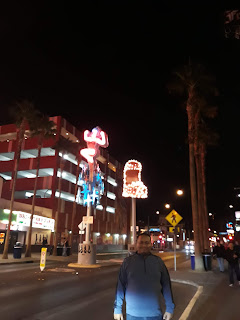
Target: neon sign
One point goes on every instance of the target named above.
(132, 184)
(94, 139)
(90, 180)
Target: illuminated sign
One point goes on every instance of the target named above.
(237, 215)
(2, 236)
(94, 139)
(229, 225)
(237, 227)
(24, 218)
(90, 179)
(132, 185)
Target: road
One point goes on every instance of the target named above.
(63, 293)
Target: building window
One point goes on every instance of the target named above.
(110, 209)
(111, 195)
(111, 181)
(6, 156)
(112, 167)
(8, 136)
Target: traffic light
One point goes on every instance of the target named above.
(230, 237)
(160, 237)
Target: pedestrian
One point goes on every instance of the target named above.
(218, 252)
(65, 246)
(44, 242)
(143, 277)
(237, 246)
(232, 257)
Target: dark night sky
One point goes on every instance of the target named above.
(107, 64)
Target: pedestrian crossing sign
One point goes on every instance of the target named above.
(173, 217)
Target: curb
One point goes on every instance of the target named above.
(78, 265)
(192, 302)
(17, 262)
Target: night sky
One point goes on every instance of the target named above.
(107, 63)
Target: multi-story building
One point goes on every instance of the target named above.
(110, 217)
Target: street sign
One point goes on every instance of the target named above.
(171, 229)
(81, 232)
(88, 220)
(82, 226)
(173, 217)
(43, 258)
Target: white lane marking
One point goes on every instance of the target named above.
(192, 302)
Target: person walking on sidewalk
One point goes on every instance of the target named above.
(143, 277)
(218, 252)
(232, 257)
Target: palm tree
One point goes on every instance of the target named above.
(44, 129)
(195, 84)
(24, 113)
(79, 158)
(207, 137)
(63, 146)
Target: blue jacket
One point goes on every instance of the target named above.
(141, 282)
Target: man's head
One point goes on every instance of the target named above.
(230, 245)
(144, 243)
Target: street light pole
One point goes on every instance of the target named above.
(133, 242)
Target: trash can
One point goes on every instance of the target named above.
(17, 251)
(207, 261)
(193, 261)
(59, 251)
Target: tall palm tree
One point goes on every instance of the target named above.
(79, 158)
(44, 129)
(207, 137)
(195, 83)
(24, 112)
(63, 146)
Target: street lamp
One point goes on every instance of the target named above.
(157, 212)
(179, 192)
(230, 206)
(167, 206)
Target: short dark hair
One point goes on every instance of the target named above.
(144, 234)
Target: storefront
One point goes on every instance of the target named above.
(41, 228)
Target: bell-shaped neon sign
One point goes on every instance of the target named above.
(133, 187)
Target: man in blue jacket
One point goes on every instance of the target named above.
(143, 277)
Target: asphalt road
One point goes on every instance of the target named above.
(63, 293)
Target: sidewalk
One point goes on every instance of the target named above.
(215, 299)
(73, 258)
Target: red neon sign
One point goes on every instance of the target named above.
(94, 139)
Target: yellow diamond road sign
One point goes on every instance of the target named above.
(173, 217)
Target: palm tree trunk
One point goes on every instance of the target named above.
(19, 147)
(193, 187)
(200, 202)
(58, 208)
(28, 251)
(199, 181)
(205, 209)
(74, 206)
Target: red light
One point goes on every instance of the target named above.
(230, 237)
(160, 237)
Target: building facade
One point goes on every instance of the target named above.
(110, 217)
